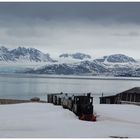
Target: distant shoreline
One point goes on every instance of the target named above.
(15, 75)
(17, 101)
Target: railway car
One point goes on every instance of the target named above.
(70, 102)
(52, 98)
(65, 101)
(59, 99)
(55, 99)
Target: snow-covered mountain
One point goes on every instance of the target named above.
(79, 56)
(116, 58)
(93, 67)
(121, 65)
(84, 67)
(65, 69)
(112, 65)
(22, 54)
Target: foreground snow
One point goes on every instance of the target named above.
(47, 120)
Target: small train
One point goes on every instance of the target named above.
(81, 105)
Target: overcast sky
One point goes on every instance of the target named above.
(94, 28)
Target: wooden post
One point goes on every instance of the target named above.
(130, 97)
(134, 97)
(121, 96)
(127, 97)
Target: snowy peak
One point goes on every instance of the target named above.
(5, 55)
(116, 58)
(79, 56)
(24, 54)
(30, 54)
(3, 49)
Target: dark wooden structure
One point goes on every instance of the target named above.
(35, 99)
(108, 99)
(129, 96)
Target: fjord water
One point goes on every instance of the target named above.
(16, 86)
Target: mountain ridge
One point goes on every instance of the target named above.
(113, 65)
(77, 55)
(93, 67)
(24, 54)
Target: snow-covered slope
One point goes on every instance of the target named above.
(121, 65)
(64, 69)
(90, 68)
(116, 58)
(43, 120)
(84, 67)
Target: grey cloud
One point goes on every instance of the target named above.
(94, 28)
(134, 34)
(96, 11)
(24, 32)
(131, 34)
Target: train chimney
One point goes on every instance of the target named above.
(88, 94)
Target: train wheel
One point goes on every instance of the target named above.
(93, 118)
(82, 117)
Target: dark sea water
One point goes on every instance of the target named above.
(17, 86)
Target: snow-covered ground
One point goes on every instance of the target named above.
(46, 120)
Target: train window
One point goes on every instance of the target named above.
(90, 100)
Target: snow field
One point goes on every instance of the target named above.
(39, 120)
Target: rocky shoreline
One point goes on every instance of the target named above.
(16, 101)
